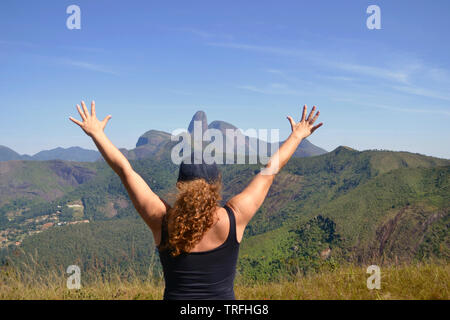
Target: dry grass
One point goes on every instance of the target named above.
(421, 281)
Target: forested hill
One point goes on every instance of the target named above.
(342, 205)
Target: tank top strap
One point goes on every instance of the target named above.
(232, 233)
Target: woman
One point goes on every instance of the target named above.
(198, 240)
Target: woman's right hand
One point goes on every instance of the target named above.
(305, 127)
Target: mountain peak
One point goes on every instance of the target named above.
(8, 154)
(344, 149)
(69, 154)
(152, 137)
(198, 116)
(221, 125)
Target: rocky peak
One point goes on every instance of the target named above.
(198, 116)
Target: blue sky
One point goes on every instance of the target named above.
(152, 64)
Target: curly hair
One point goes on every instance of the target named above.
(192, 214)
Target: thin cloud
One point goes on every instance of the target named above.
(275, 71)
(375, 72)
(204, 34)
(410, 110)
(286, 76)
(85, 49)
(401, 78)
(272, 88)
(336, 78)
(197, 32)
(264, 49)
(253, 89)
(17, 43)
(181, 92)
(87, 66)
(422, 92)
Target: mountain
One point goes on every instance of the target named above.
(7, 154)
(149, 144)
(199, 116)
(221, 126)
(42, 180)
(307, 149)
(346, 205)
(158, 143)
(68, 154)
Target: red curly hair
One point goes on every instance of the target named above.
(192, 214)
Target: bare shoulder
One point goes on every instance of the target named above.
(237, 216)
(221, 226)
(221, 222)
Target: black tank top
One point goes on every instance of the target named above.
(201, 275)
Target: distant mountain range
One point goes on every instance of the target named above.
(69, 154)
(154, 142)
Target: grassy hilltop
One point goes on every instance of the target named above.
(421, 281)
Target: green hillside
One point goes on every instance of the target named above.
(42, 180)
(399, 216)
(316, 181)
(99, 247)
(346, 205)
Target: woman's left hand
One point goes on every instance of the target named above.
(90, 125)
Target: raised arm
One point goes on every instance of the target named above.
(147, 203)
(246, 203)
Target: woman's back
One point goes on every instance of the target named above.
(217, 234)
(208, 270)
